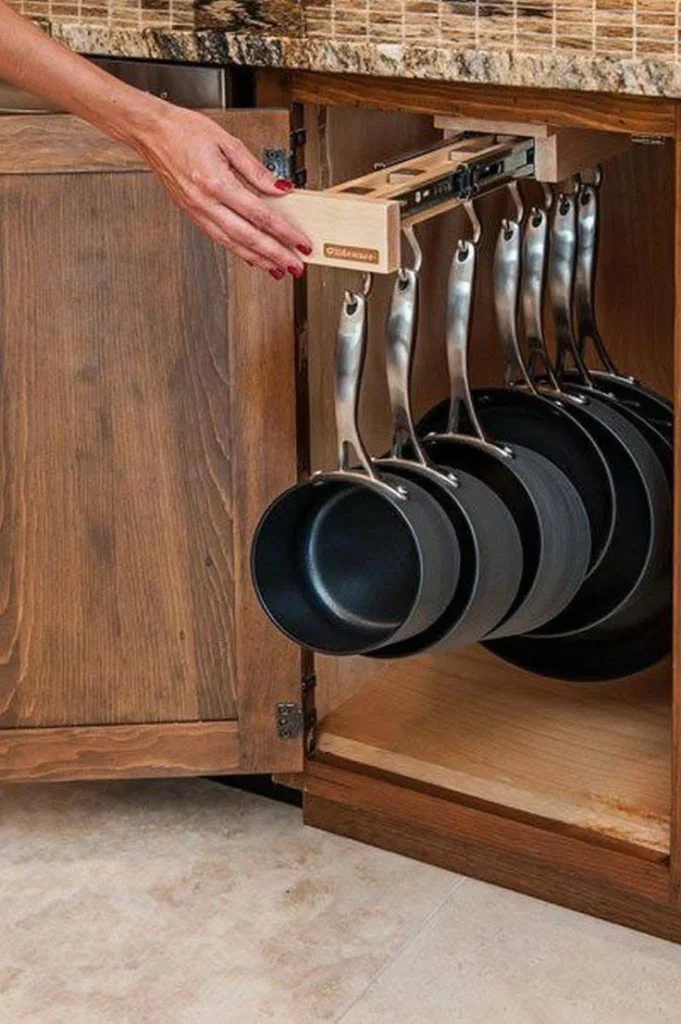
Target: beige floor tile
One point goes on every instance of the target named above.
(491, 956)
(189, 903)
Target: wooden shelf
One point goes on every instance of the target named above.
(592, 761)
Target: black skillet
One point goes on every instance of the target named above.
(656, 409)
(636, 634)
(545, 505)
(491, 551)
(525, 416)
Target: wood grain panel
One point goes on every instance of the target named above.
(117, 558)
(548, 106)
(561, 869)
(118, 752)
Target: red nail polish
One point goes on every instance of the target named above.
(305, 249)
(283, 184)
(296, 271)
(276, 273)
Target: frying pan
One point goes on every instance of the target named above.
(548, 513)
(636, 632)
(631, 580)
(350, 560)
(527, 417)
(491, 550)
(659, 411)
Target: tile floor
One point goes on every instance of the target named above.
(191, 903)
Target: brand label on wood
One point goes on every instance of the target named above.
(351, 252)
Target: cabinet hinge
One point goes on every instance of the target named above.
(294, 720)
(285, 165)
(290, 720)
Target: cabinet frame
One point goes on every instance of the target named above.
(420, 820)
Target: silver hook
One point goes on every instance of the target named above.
(548, 196)
(410, 235)
(517, 202)
(475, 224)
(367, 284)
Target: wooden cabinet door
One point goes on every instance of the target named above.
(147, 416)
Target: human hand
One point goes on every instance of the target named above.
(214, 178)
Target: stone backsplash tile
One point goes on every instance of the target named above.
(627, 28)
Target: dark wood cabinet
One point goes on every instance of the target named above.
(146, 415)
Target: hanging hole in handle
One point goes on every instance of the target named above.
(536, 217)
(507, 229)
(563, 204)
(585, 194)
(351, 303)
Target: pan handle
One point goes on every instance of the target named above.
(532, 295)
(585, 274)
(561, 282)
(506, 289)
(400, 335)
(350, 353)
(460, 290)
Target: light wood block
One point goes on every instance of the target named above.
(571, 150)
(346, 231)
(479, 124)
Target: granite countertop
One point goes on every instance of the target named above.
(615, 46)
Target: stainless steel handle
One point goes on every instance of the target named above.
(400, 337)
(506, 289)
(585, 275)
(561, 282)
(350, 353)
(532, 296)
(460, 290)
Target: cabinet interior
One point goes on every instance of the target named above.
(588, 760)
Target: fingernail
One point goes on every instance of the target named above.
(305, 249)
(276, 273)
(283, 184)
(296, 271)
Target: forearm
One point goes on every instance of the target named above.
(44, 67)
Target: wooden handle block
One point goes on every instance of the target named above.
(346, 231)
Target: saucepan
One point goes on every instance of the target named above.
(354, 559)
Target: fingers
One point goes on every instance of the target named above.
(250, 168)
(229, 231)
(230, 192)
(243, 233)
